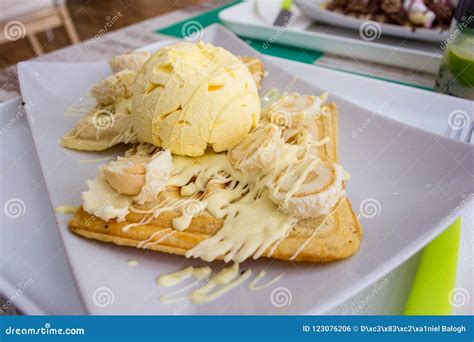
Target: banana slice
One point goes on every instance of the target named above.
(126, 175)
(258, 151)
(140, 177)
(308, 188)
(133, 60)
(158, 171)
(114, 87)
(293, 110)
(303, 140)
(136, 178)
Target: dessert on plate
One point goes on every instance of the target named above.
(215, 170)
(432, 14)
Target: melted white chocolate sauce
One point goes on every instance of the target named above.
(178, 277)
(316, 230)
(253, 284)
(252, 222)
(66, 209)
(227, 279)
(213, 287)
(132, 262)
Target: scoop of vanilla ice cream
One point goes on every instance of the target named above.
(188, 96)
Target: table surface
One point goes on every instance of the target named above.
(135, 36)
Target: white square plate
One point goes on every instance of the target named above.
(406, 183)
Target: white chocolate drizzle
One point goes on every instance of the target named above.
(151, 240)
(316, 230)
(253, 284)
(65, 209)
(213, 287)
(132, 262)
(252, 222)
(178, 277)
(227, 279)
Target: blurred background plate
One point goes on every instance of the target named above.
(315, 9)
(254, 18)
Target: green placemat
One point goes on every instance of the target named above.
(432, 287)
(212, 17)
(205, 19)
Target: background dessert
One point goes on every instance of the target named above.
(415, 13)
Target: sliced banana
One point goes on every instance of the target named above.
(308, 188)
(158, 171)
(133, 60)
(258, 151)
(126, 175)
(305, 143)
(291, 111)
(114, 87)
(136, 178)
(140, 177)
